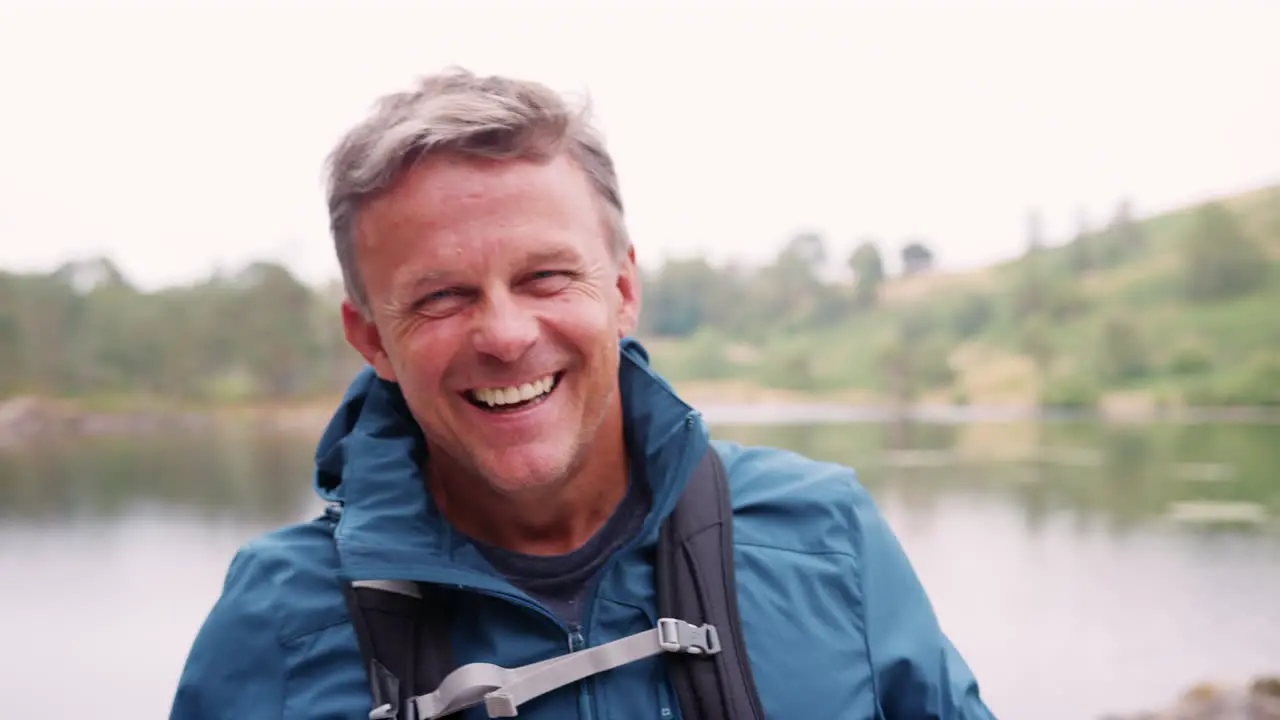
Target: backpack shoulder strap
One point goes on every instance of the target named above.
(696, 583)
(403, 632)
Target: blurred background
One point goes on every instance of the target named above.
(1016, 262)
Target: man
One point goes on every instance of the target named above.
(510, 448)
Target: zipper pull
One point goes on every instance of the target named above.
(576, 641)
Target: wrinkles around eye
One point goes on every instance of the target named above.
(449, 300)
(550, 281)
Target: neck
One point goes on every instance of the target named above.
(553, 519)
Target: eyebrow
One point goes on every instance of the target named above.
(422, 280)
(553, 255)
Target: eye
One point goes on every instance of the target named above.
(440, 302)
(549, 281)
(439, 295)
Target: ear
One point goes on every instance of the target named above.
(362, 334)
(629, 293)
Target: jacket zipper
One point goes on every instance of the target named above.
(578, 632)
(578, 641)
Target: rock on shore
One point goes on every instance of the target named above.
(1259, 700)
(25, 420)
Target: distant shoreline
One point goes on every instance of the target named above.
(33, 419)
(854, 405)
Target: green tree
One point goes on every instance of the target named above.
(792, 287)
(917, 258)
(277, 359)
(868, 273)
(1035, 340)
(1123, 353)
(972, 315)
(679, 299)
(1219, 260)
(1124, 237)
(907, 369)
(1035, 233)
(1273, 209)
(1081, 248)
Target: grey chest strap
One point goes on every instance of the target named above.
(503, 690)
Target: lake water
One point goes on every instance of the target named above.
(1053, 554)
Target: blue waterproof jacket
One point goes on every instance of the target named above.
(836, 624)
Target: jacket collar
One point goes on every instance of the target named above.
(369, 458)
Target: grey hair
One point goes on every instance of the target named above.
(459, 112)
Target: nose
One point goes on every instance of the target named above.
(504, 329)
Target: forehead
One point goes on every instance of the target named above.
(464, 201)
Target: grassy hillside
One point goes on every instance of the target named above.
(1137, 324)
(1183, 308)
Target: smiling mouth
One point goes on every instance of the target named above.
(515, 397)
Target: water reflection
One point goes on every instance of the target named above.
(1123, 476)
(238, 473)
(1047, 548)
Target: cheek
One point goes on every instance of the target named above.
(424, 352)
(580, 319)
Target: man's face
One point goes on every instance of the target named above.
(497, 305)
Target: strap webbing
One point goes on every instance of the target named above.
(402, 629)
(696, 581)
(503, 690)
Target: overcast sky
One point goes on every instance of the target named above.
(178, 139)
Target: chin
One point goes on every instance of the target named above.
(522, 472)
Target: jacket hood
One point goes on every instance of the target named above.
(369, 460)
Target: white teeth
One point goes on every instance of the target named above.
(514, 394)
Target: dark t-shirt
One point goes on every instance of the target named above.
(561, 581)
